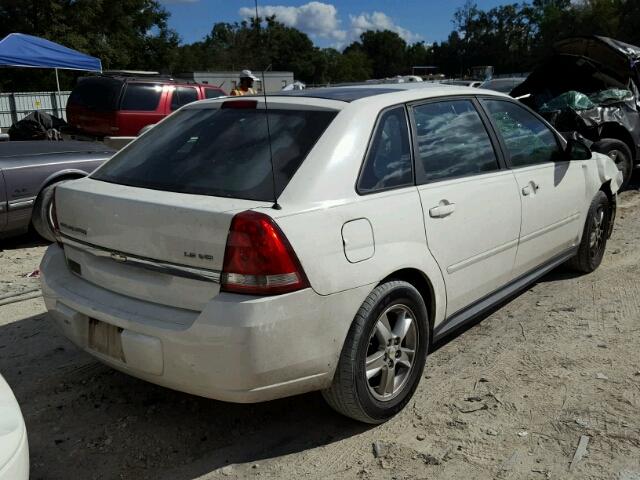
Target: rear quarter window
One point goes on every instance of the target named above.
(141, 97)
(220, 152)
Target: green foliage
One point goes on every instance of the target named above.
(123, 34)
(134, 34)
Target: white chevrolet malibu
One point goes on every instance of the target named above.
(323, 241)
(14, 448)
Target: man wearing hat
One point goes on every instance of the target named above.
(246, 84)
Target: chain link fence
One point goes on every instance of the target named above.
(16, 106)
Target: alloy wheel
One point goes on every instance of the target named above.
(598, 234)
(391, 352)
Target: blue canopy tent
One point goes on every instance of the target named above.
(20, 50)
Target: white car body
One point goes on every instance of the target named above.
(186, 334)
(14, 448)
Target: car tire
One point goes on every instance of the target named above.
(594, 237)
(362, 387)
(41, 217)
(620, 153)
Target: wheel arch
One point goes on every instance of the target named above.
(613, 204)
(618, 132)
(422, 283)
(67, 174)
(62, 175)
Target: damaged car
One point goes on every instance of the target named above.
(327, 241)
(591, 85)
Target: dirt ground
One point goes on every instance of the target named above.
(509, 398)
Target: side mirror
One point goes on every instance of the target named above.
(578, 147)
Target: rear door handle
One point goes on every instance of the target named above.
(442, 210)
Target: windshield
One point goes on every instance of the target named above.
(221, 152)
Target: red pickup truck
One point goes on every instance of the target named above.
(103, 105)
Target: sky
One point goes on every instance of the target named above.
(328, 23)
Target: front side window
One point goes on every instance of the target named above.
(224, 152)
(452, 141)
(527, 139)
(212, 93)
(388, 162)
(182, 96)
(141, 97)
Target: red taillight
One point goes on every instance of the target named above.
(258, 259)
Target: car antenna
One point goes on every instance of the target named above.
(276, 205)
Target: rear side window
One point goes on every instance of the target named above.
(528, 140)
(220, 152)
(182, 96)
(98, 94)
(141, 97)
(451, 141)
(388, 162)
(212, 93)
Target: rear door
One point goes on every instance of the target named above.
(140, 106)
(552, 188)
(470, 203)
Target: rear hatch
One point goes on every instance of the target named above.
(93, 104)
(152, 223)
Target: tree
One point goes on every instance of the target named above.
(386, 51)
(124, 34)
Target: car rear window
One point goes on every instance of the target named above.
(220, 152)
(98, 94)
(141, 97)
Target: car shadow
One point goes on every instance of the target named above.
(634, 183)
(83, 417)
(560, 273)
(27, 240)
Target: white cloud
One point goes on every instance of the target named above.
(379, 21)
(321, 20)
(314, 18)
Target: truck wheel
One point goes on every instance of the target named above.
(594, 236)
(620, 153)
(41, 218)
(383, 356)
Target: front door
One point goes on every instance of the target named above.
(552, 188)
(471, 206)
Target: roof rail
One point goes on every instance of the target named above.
(128, 76)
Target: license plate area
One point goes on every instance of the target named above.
(105, 339)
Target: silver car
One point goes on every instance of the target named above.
(29, 172)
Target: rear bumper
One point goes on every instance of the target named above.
(238, 348)
(14, 447)
(17, 468)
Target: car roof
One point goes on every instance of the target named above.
(360, 92)
(162, 79)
